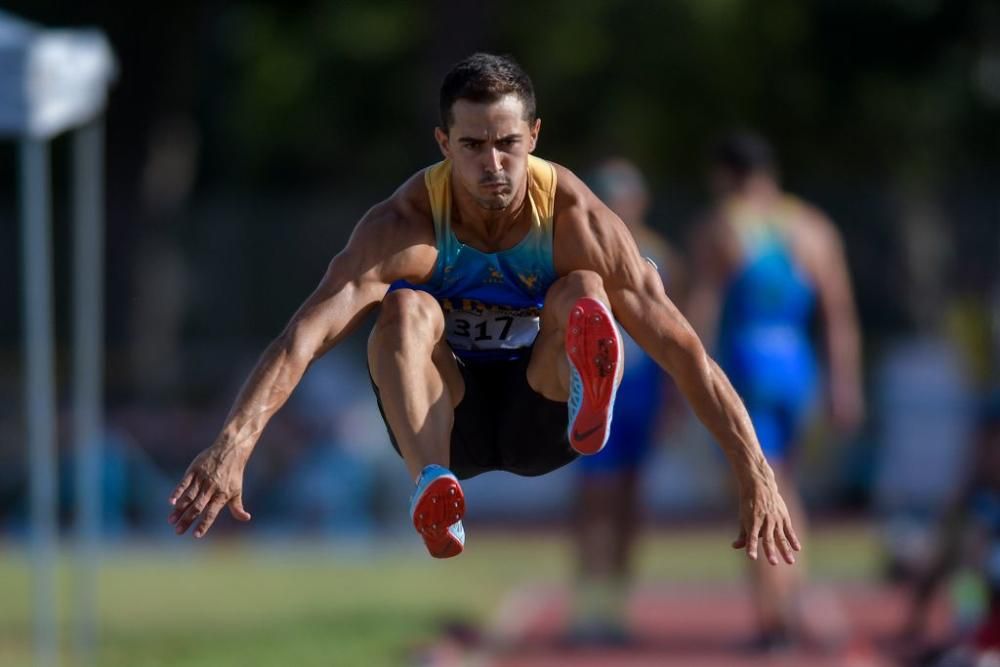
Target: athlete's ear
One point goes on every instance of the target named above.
(441, 137)
(533, 133)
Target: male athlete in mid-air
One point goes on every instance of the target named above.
(498, 275)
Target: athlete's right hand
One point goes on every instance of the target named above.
(213, 480)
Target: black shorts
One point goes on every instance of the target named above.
(502, 423)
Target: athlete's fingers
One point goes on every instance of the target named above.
(741, 540)
(181, 488)
(185, 519)
(195, 508)
(784, 546)
(236, 509)
(184, 500)
(194, 488)
(767, 533)
(753, 536)
(211, 512)
(790, 534)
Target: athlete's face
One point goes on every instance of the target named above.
(488, 145)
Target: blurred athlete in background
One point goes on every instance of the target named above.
(608, 487)
(765, 261)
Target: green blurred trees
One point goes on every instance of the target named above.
(849, 90)
(307, 114)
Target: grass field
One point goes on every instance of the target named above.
(249, 603)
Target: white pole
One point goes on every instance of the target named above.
(40, 390)
(88, 358)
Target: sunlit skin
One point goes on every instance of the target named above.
(409, 358)
(489, 145)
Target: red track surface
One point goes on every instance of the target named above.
(681, 627)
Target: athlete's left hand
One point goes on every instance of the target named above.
(213, 480)
(764, 519)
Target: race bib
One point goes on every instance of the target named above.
(491, 328)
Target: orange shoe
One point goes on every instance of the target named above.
(437, 507)
(594, 350)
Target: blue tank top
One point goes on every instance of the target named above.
(764, 332)
(492, 302)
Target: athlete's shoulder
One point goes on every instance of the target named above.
(396, 235)
(571, 191)
(577, 210)
(815, 237)
(404, 215)
(411, 200)
(587, 233)
(811, 220)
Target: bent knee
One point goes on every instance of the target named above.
(574, 285)
(411, 313)
(584, 283)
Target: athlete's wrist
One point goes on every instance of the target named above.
(230, 444)
(753, 470)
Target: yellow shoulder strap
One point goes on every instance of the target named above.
(542, 186)
(437, 178)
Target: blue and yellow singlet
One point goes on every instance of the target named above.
(764, 344)
(492, 302)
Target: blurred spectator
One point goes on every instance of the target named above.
(926, 382)
(969, 534)
(608, 482)
(765, 260)
(925, 428)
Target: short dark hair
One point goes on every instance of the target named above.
(743, 152)
(485, 78)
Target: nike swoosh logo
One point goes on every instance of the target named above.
(586, 434)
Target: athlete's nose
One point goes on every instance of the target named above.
(493, 165)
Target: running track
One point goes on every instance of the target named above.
(677, 626)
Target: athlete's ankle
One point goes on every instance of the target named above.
(431, 469)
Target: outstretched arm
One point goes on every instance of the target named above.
(649, 316)
(386, 245)
(591, 237)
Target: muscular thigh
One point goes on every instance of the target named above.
(413, 316)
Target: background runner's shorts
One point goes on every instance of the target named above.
(502, 423)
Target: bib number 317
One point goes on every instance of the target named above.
(482, 330)
(492, 330)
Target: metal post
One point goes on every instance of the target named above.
(40, 390)
(88, 331)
